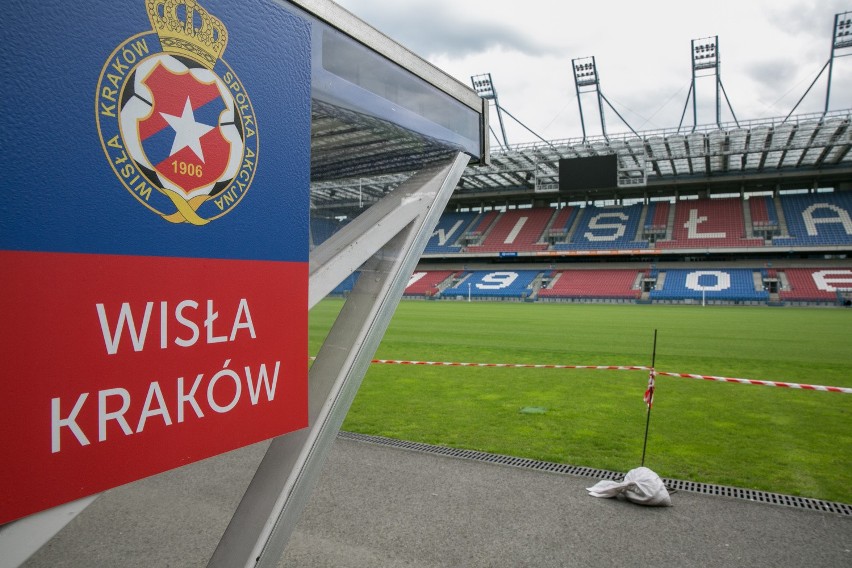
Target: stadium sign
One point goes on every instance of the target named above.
(154, 252)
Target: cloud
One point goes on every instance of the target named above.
(807, 18)
(771, 52)
(771, 74)
(433, 28)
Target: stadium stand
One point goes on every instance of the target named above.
(494, 284)
(727, 285)
(791, 220)
(483, 224)
(817, 220)
(321, 230)
(563, 221)
(606, 228)
(346, 286)
(709, 223)
(811, 220)
(717, 285)
(815, 284)
(450, 228)
(657, 217)
(764, 217)
(516, 230)
(427, 283)
(597, 284)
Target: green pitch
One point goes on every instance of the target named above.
(774, 439)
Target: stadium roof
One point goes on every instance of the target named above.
(768, 154)
(803, 151)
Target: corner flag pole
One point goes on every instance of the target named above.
(649, 395)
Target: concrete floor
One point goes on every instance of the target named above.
(379, 506)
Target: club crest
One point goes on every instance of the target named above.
(176, 123)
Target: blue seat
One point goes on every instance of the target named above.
(731, 285)
(495, 283)
(347, 284)
(604, 228)
(817, 220)
(450, 227)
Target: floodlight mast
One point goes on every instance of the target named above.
(705, 63)
(484, 87)
(841, 39)
(586, 75)
(706, 57)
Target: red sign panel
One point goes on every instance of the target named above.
(154, 241)
(152, 373)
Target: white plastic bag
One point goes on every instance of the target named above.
(640, 485)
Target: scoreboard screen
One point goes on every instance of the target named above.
(593, 172)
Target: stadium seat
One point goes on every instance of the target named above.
(322, 229)
(450, 228)
(346, 286)
(817, 220)
(516, 230)
(563, 221)
(815, 284)
(606, 228)
(763, 214)
(425, 283)
(494, 284)
(587, 284)
(709, 223)
(811, 220)
(657, 217)
(728, 285)
(483, 222)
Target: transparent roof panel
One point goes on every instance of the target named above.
(379, 113)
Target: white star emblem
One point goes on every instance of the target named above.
(188, 132)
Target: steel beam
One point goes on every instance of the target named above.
(390, 240)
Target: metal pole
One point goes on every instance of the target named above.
(579, 100)
(718, 86)
(600, 102)
(685, 105)
(808, 90)
(694, 91)
(831, 63)
(652, 385)
(500, 119)
(526, 127)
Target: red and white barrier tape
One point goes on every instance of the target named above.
(843, 390)
(510, 365)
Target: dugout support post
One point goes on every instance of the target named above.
(391, 239)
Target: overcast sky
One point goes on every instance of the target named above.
(770, 52)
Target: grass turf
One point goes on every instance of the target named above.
(774, 439)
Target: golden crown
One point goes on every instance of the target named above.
(185, 28)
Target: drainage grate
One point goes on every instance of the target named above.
(671, 484)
